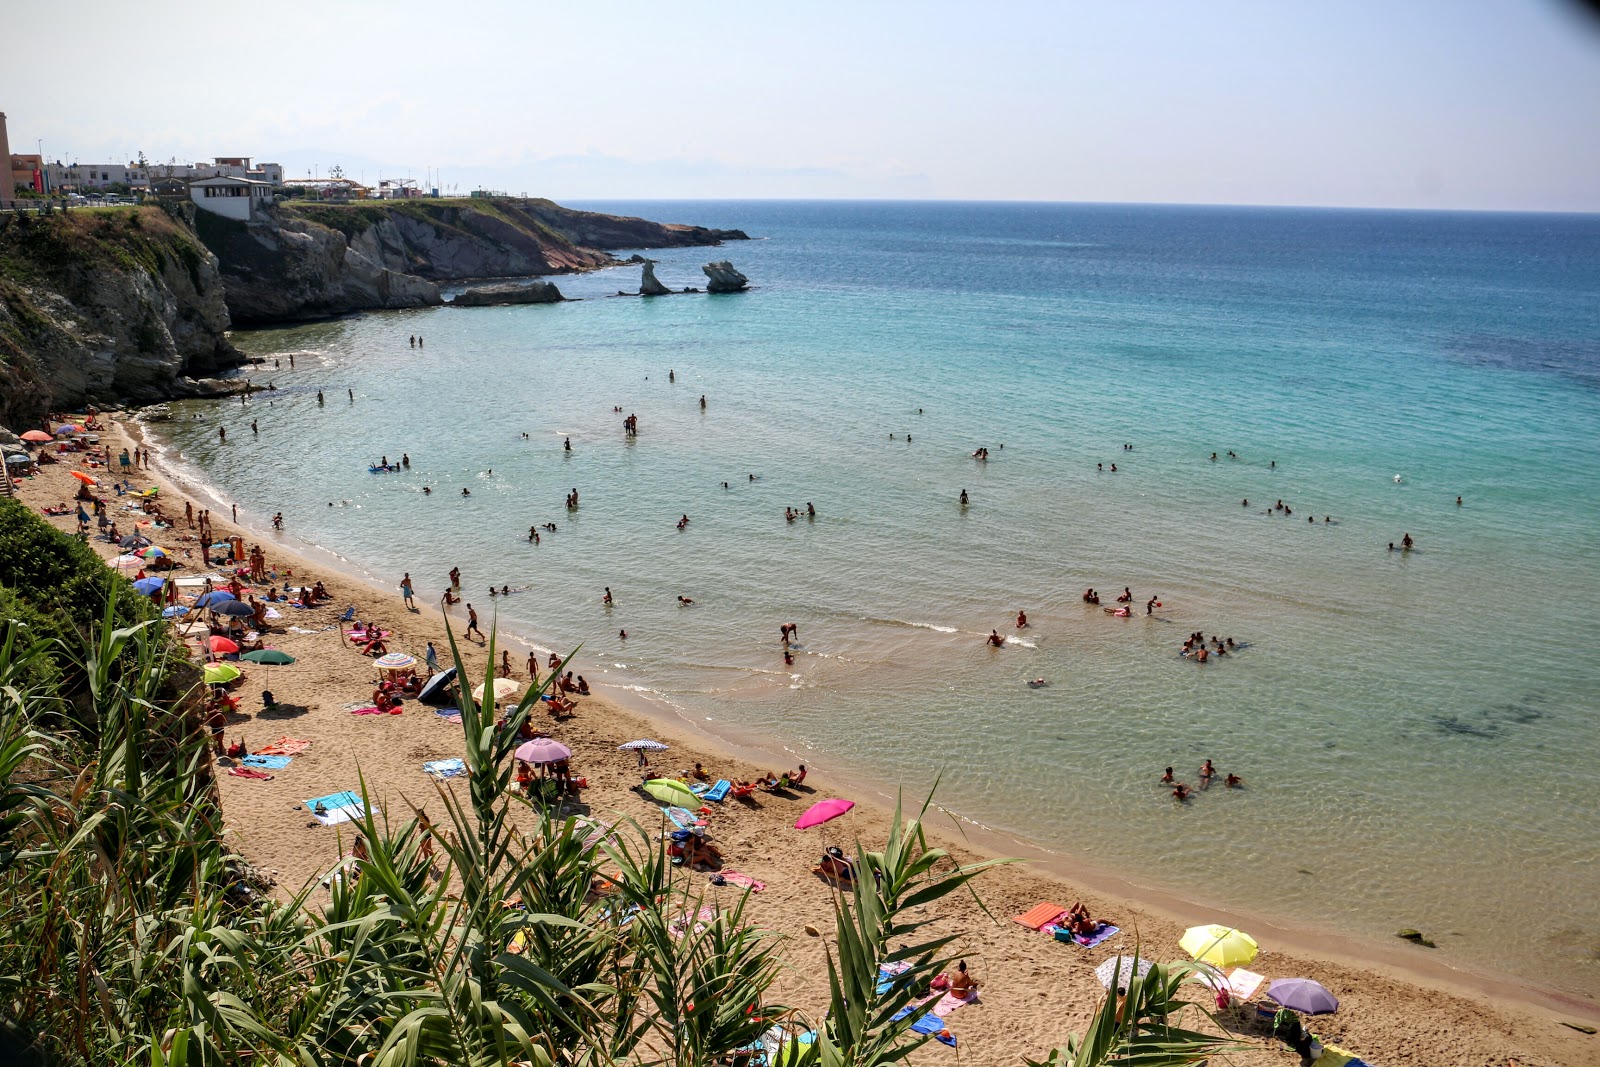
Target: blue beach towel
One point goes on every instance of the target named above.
(1105, 933)
(699, 789)
(271, 763)
(934, 1027)
(444, 768)
(682, 818)
(719, 792)
(336, 808)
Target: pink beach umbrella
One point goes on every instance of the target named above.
(823, 811)
(542, 750)
(221, 646)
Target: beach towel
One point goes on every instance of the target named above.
(284, 746)
(743, 881)
(683, 818)
(453, 717)
(1101, 935)
(1040, 915)
(950, 1002)
(699, 789)
(250, 772)
(1334, 1056)
(336, 808)
(271, 763)
(916, 1005)
(362, 709)
(933, 1026)
(719, 791)
(681, 925)
(444, 768)
(1243, 984)
(886, 976)
(273, 613)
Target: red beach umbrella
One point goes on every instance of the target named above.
(221, 645)
(38, 437)
(823, 811)
(84, 478)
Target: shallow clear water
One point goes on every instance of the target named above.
(1416, 730)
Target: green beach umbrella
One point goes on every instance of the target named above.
(269, 656)
(669, 791)
(219, 673)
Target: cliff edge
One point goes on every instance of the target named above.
(120, 304)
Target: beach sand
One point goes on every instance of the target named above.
(1397, 1005)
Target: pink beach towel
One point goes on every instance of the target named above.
(250, 772)
(744, 881)
(950, 1002)
(363, 709)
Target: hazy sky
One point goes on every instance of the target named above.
(1425, 103)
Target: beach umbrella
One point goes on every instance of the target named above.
(133, 541)
(1220, 946)
(1121, 970)
(542, 750)
(213, 598)
(64, 428)
(151, 552)
(503, 687)
(645, 745)
(148, 586)
(237, 609)
(433, 691)
(823, 811)
(221, 646)
(38, 437)
(1303, 995)
(218, 673)
(174, 611)
(669, 791)
(395, 661)
(269, 656)
(18, 460)
(84, 478)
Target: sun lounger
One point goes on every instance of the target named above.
(444, 768)
(336, 808)
(269, 762)
(1040, 915)
(718, 792)
(742, 792)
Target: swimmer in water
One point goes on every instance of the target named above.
(465, 491)
(1406, 542)
(1167, 779)
(622, 634)
(685, 601)
(1180, 792)
(607, 598)
(1022, 620)
(426, 490)
(964, 500)
(995, 639)
(1207, 771)
(1233, 781)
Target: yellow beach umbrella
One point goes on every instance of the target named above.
(670, 791)
(1220, 946)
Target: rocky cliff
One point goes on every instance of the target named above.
(105, 305)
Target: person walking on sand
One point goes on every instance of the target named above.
(472, 624)
(431, 658)
(533, 668)
(406, 592)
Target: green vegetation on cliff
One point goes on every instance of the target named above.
(443, 213)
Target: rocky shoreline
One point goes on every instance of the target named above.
(133, 306)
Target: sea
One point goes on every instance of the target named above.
(1416, 730)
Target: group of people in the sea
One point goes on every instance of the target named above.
(1181, 791)
(1196, 647)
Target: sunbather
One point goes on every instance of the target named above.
(962, 984)
(834, 864)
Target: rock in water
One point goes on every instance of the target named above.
(648, 285)
(486, 295)
(724, 279)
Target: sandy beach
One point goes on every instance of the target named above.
(1397, 1006)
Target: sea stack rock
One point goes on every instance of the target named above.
(648, 284)
(724, 279)
(515, 293)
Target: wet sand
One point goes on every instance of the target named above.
(1397, 1006)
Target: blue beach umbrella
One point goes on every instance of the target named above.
(236, 608)
(174, 611)
(1303, 995)
(148, 586)
(213, 598)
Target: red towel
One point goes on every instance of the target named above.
(249, 772)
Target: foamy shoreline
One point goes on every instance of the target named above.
(1158, 914)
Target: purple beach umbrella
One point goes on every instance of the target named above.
(1303, 995)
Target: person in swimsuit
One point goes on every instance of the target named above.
(995, 639)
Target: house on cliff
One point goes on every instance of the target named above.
(234, 198)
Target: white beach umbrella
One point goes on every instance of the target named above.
(1121, 970)
(645, 745)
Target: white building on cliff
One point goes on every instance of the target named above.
(234, 198)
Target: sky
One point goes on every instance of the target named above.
(1475, 104)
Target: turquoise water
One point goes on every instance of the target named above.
(1416, 730)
